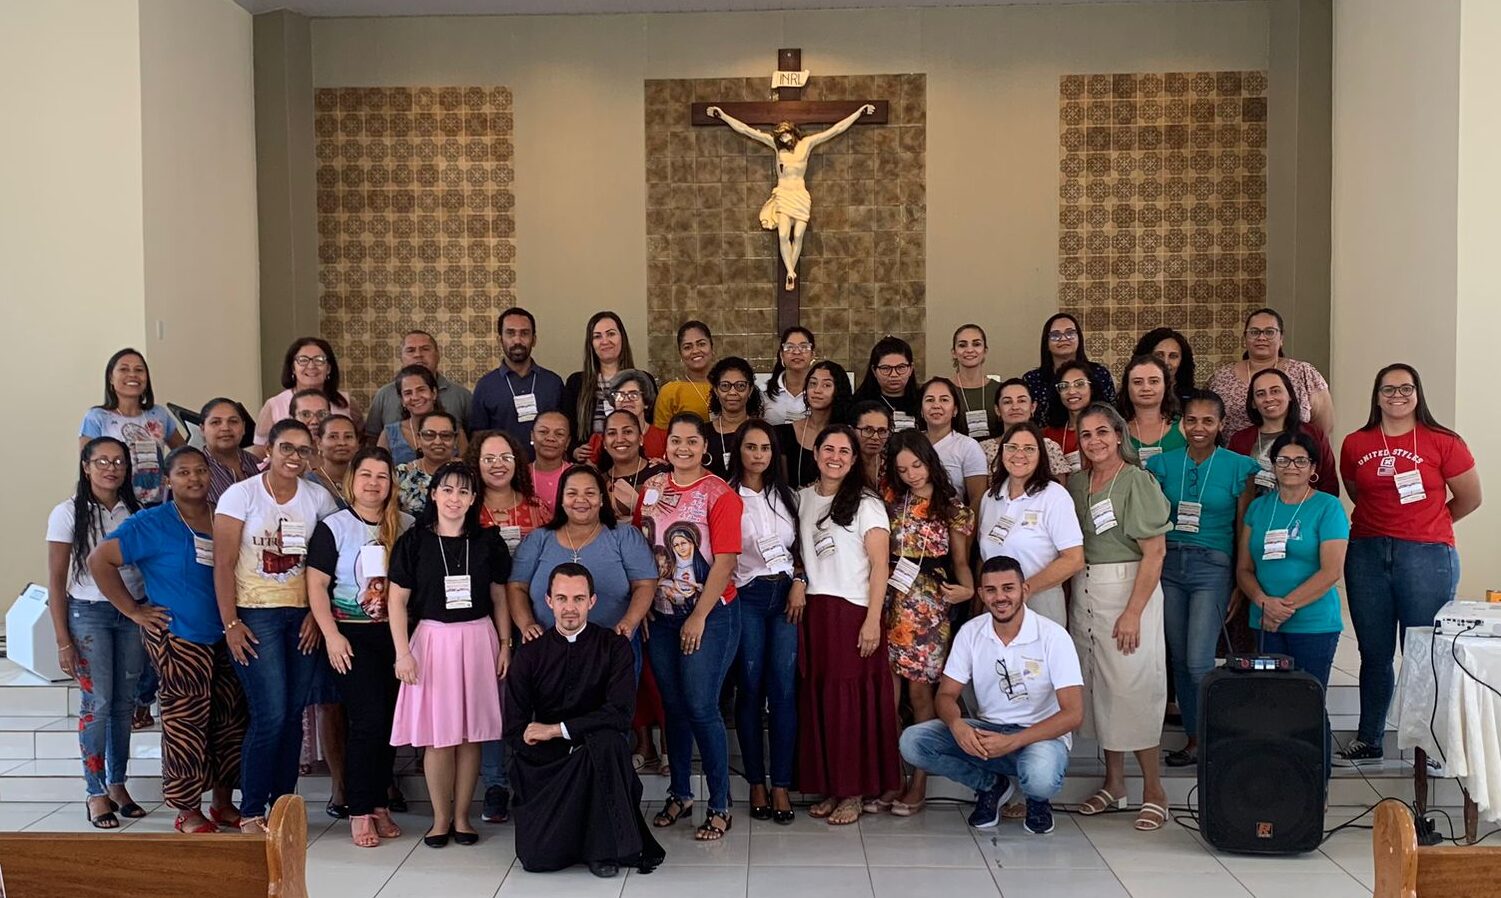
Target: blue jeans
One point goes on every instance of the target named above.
(1039, 767)
(767, 678)
(109, 656)
(1313, 653)
(1196, 586)
(690, 686)
(276, 683)
(1392, 584)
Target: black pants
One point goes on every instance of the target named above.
(368, 693)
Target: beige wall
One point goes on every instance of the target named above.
(992, 152)
(125, 184)
(72, 282)
(198, 140)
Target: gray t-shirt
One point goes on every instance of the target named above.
(385, 406)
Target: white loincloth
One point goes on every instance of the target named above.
(793, 202)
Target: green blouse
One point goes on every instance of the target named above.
(1141, 512)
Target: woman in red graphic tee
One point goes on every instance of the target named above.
(1410, 478)
(692, 521)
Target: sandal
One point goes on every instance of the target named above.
(668, 816)
(142, 719)
(1014, 811)
(129, 809)
(205, 826)
(1100, 802)
(708, 832)
(254, 826)
(846, 812)
(1144, 818)
(385, 827)
(336, 811)
(362, 828)
(823, 808)
(106, 820)
(875, 805)
(221, 817)
(904, 809)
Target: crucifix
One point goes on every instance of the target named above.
(790, 206)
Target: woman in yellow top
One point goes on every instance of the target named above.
(691, 392)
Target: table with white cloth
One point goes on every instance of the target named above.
(1462, 729)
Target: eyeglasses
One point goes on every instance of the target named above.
(104, 464)
(1020, 449)
(1016, 687)
(1256, 333)
(737, 387)
(1403, 390)
(432, 435)
(312, 416)
(309, 361)
(873, 433)
(889, 370)
(1062, 336)
(628, 395)
(303, 452)
(797, 347)
(503, 458)
(1079, 384)
(1302, 462)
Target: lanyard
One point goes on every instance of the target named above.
(1199, 490)
(465, 569)
(513, 389)
(1272, 518)
(1388, 448)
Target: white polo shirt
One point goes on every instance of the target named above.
(1015, 684)
(962, 457)
(1040, 527)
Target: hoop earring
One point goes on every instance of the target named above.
(1314, 477)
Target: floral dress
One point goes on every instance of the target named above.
(917, 622)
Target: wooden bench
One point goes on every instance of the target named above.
(1406, 870)
(230, 865)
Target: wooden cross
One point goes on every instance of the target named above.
(789, 106)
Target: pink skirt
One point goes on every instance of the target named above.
(457, 695)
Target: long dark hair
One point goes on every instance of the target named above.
(247, 423)
(289, 361)
(774, 481)
(957, 420)
(606, 506)
(772, 386)
(1294, 405)
(583, 415)
(853, 488)
(870, 387)
(1169, 405)
(464, 476)
(111, 398)
(428, 378)
(1057, 411)
(1281, 327)
(1422, 414)
(839, 409)
(87, 530)
(1045, 356)
(521, 476)
(1040, 477)
(945, 502)
(753, 404)
(1185, 379)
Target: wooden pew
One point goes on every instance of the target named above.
(1406, 870)
(228, 865)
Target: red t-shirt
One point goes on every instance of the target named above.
(686, 527)
(1248, 442)
(1370, 462)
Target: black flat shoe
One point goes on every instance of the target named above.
(337, 811)
(604, 869)
(1181, 758)
(436, 840)
(396, 803)
(760, 812)
(462, 838)
(785, 818)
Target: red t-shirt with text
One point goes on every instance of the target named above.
(1370, 462)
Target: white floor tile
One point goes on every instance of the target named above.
(898, 882)
(458, 871)
(1019, 883)
(791, 850)
(1009, 846)
(823, 882)
(575, 882)
(683, 850)
(1313, 862)
(721, 882)
(17, 815)
(1171, 882)
(72, 818)
(1271, 884)
(935, 820)
(904, 850)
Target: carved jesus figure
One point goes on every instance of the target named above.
(790, 206)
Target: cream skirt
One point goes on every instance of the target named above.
(1124, 695)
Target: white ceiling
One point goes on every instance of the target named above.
(331, 8)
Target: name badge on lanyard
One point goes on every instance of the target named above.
(902, 421)
(1410, 486)
(726, 457)
(1103, 514)
(1188, 517)
(143, 455)
(904, 575)
(512, 536)
(1074, 462)
(1146, 452)
(203, 550)
(526, 407)
(292, 537)
(979, 423)
(1264, 477)
(1274, 545)
(772, 551)
(456, 595)
(1002, 529)
(823, 543)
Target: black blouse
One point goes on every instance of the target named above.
(418, 564)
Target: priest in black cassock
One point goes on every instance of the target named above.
(570, 694)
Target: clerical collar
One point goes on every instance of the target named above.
(574, 636)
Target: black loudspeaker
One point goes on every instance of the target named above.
(1261, 761)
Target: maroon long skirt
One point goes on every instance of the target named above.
(846, 709)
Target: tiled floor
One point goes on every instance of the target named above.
(934, 853)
